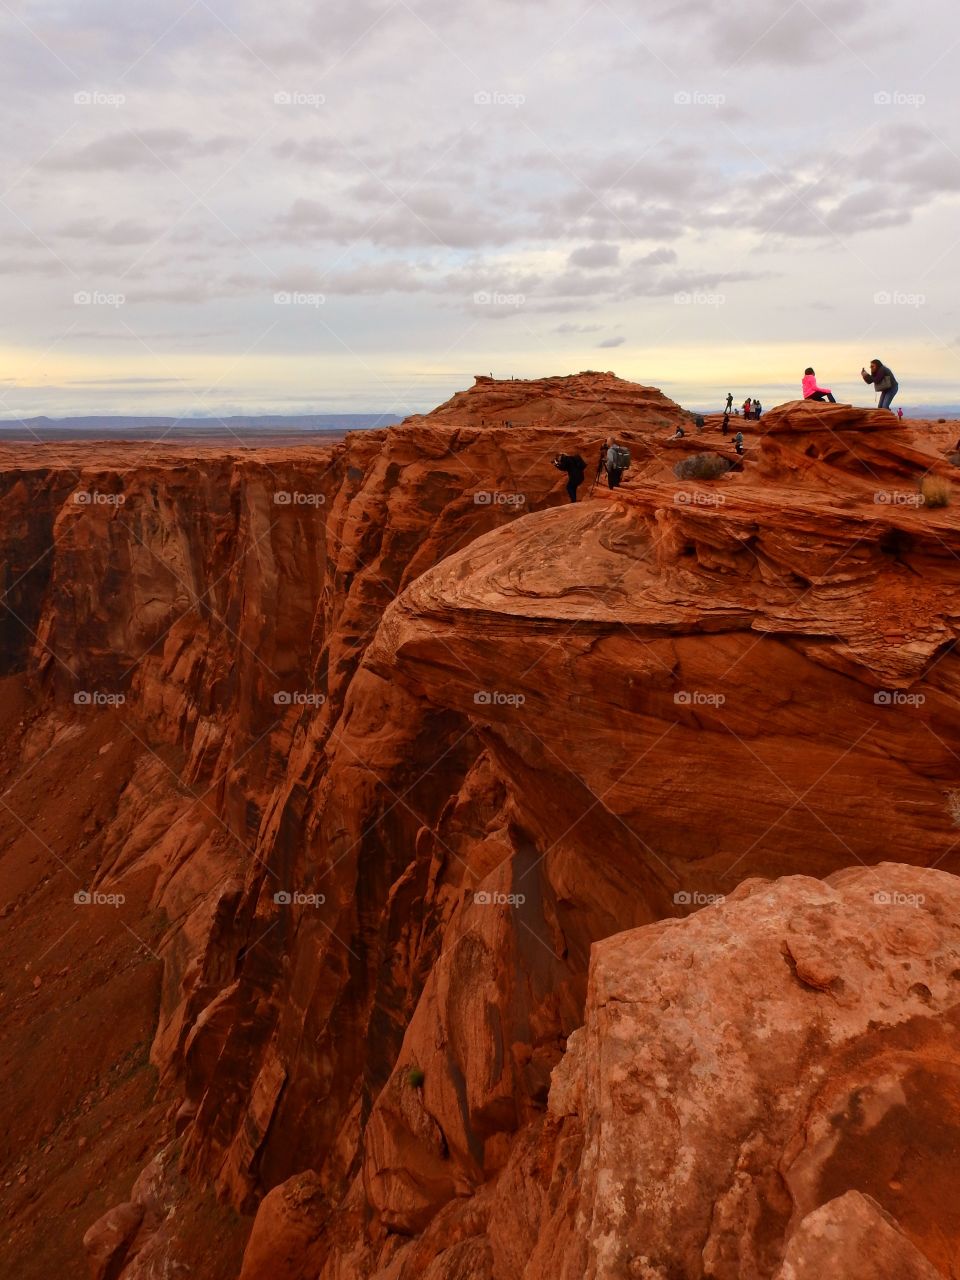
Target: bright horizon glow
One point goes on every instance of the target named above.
(125, 386)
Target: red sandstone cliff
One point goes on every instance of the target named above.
(397, 752)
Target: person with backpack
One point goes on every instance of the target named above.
(813, 392)
(618, 459)
(575, 468)
(883, 381)
(738, 442)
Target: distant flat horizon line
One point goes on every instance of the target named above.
(174, 418)
(312, 422)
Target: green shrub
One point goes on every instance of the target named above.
(702, 466)
(415, 1078)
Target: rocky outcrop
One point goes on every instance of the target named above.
(761, 1089)
(852, 1237)
(740, 1069)
(404, 738)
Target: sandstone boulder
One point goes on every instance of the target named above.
(852, 1238)
(741, 1069)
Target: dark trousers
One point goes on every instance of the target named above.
(886, 397)
(614, 476)
(572, 487)
(824, 395)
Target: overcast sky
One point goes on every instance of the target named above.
(214, 207)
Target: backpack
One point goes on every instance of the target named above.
(619, 457)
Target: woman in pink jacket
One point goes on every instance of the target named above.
(812, 392)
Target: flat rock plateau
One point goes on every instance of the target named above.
(406, 874)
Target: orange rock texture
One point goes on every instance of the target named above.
(511, 888)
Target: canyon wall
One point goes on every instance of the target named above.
(379, 743)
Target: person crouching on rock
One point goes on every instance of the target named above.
(812, 392)
(883, 380)
(575, 468)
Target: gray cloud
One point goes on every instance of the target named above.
(145, 149)
(127, 231)
(593, 256)
(768, 31)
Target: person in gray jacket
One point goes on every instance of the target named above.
(883, 380)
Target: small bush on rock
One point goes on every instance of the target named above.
(702, 466)
(936, 491)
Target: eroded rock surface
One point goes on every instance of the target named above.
(403, 737)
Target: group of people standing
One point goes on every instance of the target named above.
(751, 409)
(879, 376)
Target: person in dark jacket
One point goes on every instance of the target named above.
(883, 380)
(575, 468)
